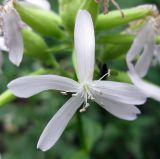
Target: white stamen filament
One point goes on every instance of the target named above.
(70, 91)
(107, 74)
(87, 94)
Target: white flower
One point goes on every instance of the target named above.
(145, 46)
(148, 52)
(43, 4)
(11, 28)
(147, 88)
(115, 97)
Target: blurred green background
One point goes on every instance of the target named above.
(105, 136)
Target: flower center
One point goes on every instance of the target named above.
(86, 94)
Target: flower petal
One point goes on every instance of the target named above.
(30, 85)
(140, 40)
(157, 52)
(2, 44)
(149, 89)
(43, 4)
(143, 64)
(120, 92)
(84, 40)
(12, 33)
(58, 123)
(120, 110)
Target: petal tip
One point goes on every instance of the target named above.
(41, 147)
(15, 61)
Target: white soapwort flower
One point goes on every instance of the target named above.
(117, 98)
(42, 4)
(11, 28)
(145, 46)
(151, 90)
(148, 52)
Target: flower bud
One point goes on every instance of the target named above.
(111, 52)
(68, 11)
(114, 19)
(34, 45)
(45, 22)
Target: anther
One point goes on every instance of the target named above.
(92, 98)
(87, 105)
(82, 110)
(64, 93)
(74, 94)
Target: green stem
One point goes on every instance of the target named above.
(81, 132)
(6, 97)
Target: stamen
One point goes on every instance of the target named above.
(74, 94)
(92, 98)
(86, 94)
(70, 91)
(96, 90)
(64, 93)
(84, 108)
(107, 74)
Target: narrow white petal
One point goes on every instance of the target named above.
(120, 92)
(43, 4)
(140, 40)
(58, 123)
(157, 53)
(120, 110)
(84, 40)
(143, 64)
(149, 89)
(30, 85)
(2, 44)
(12, 34)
